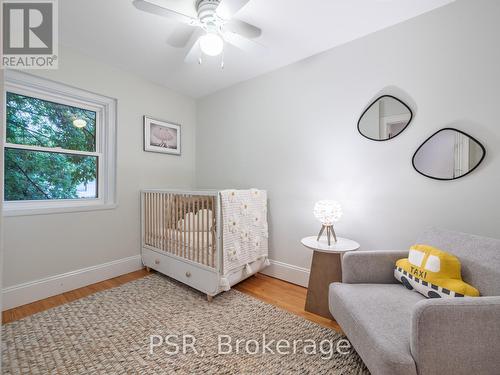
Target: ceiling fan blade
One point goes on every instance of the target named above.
(194, 53)
(149, 7)
(243, 28)
(228, 8)
(181, 36)
(242, 43)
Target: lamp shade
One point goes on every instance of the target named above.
(327, 211)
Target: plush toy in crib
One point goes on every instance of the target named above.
(202, 218)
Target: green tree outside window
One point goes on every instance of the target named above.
(39, 171)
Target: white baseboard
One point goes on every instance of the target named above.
(288, 272)
(31, 291)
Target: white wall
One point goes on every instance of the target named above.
(293, 132)
(46, 245)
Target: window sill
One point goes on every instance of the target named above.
(47, 210)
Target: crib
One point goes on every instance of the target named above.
(209, 240)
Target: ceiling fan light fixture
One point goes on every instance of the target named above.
(211, 44)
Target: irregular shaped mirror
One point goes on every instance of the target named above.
(384, 119)
(448, 154)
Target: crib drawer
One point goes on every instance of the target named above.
(199, 278)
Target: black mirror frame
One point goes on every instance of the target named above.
(454, 178)
(372, 103)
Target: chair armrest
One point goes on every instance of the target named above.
(371, 267)
(456, 336)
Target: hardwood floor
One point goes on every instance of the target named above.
(47, 303)
(277, 292)
(283, 294)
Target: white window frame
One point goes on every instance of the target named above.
(105, 108)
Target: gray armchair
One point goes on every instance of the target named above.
(398, 331)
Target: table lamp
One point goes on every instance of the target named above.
(327, 212)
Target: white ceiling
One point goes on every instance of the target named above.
(114, 31)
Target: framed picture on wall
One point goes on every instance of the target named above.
(162, 136)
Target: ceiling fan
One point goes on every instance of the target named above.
(212, 22)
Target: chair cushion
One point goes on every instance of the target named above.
(376, 319)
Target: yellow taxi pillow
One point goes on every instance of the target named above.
(433, 273)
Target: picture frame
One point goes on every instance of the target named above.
(162, 136)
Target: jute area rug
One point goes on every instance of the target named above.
(156, 325)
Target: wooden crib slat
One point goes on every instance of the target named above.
(174, 224)
(212, 232)
(153, 217)
(199, 250)
(179, 217)
(169, 224)
(170, 243)
(195, 229)
(158, 214)
(200, 233)
(202, 248)
(207, 227)
(149, 219)
(150, 222)
(158, 219)
(186, 229)
(197, 240)
(179, 230)
(150, 229)
(186, 243)
(150, 215)
(158, 204)
(183, 226)
(189, 245)
(145, 215)
(155, 220)
(167, 221)
(198, 219)
(181, 242)
(163, 222)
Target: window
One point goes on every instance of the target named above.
(415, 257)
(59, 147)
(433, 264)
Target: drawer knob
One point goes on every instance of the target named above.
(157, 261)
(188, 274)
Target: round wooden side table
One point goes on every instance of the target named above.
(326, 268)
